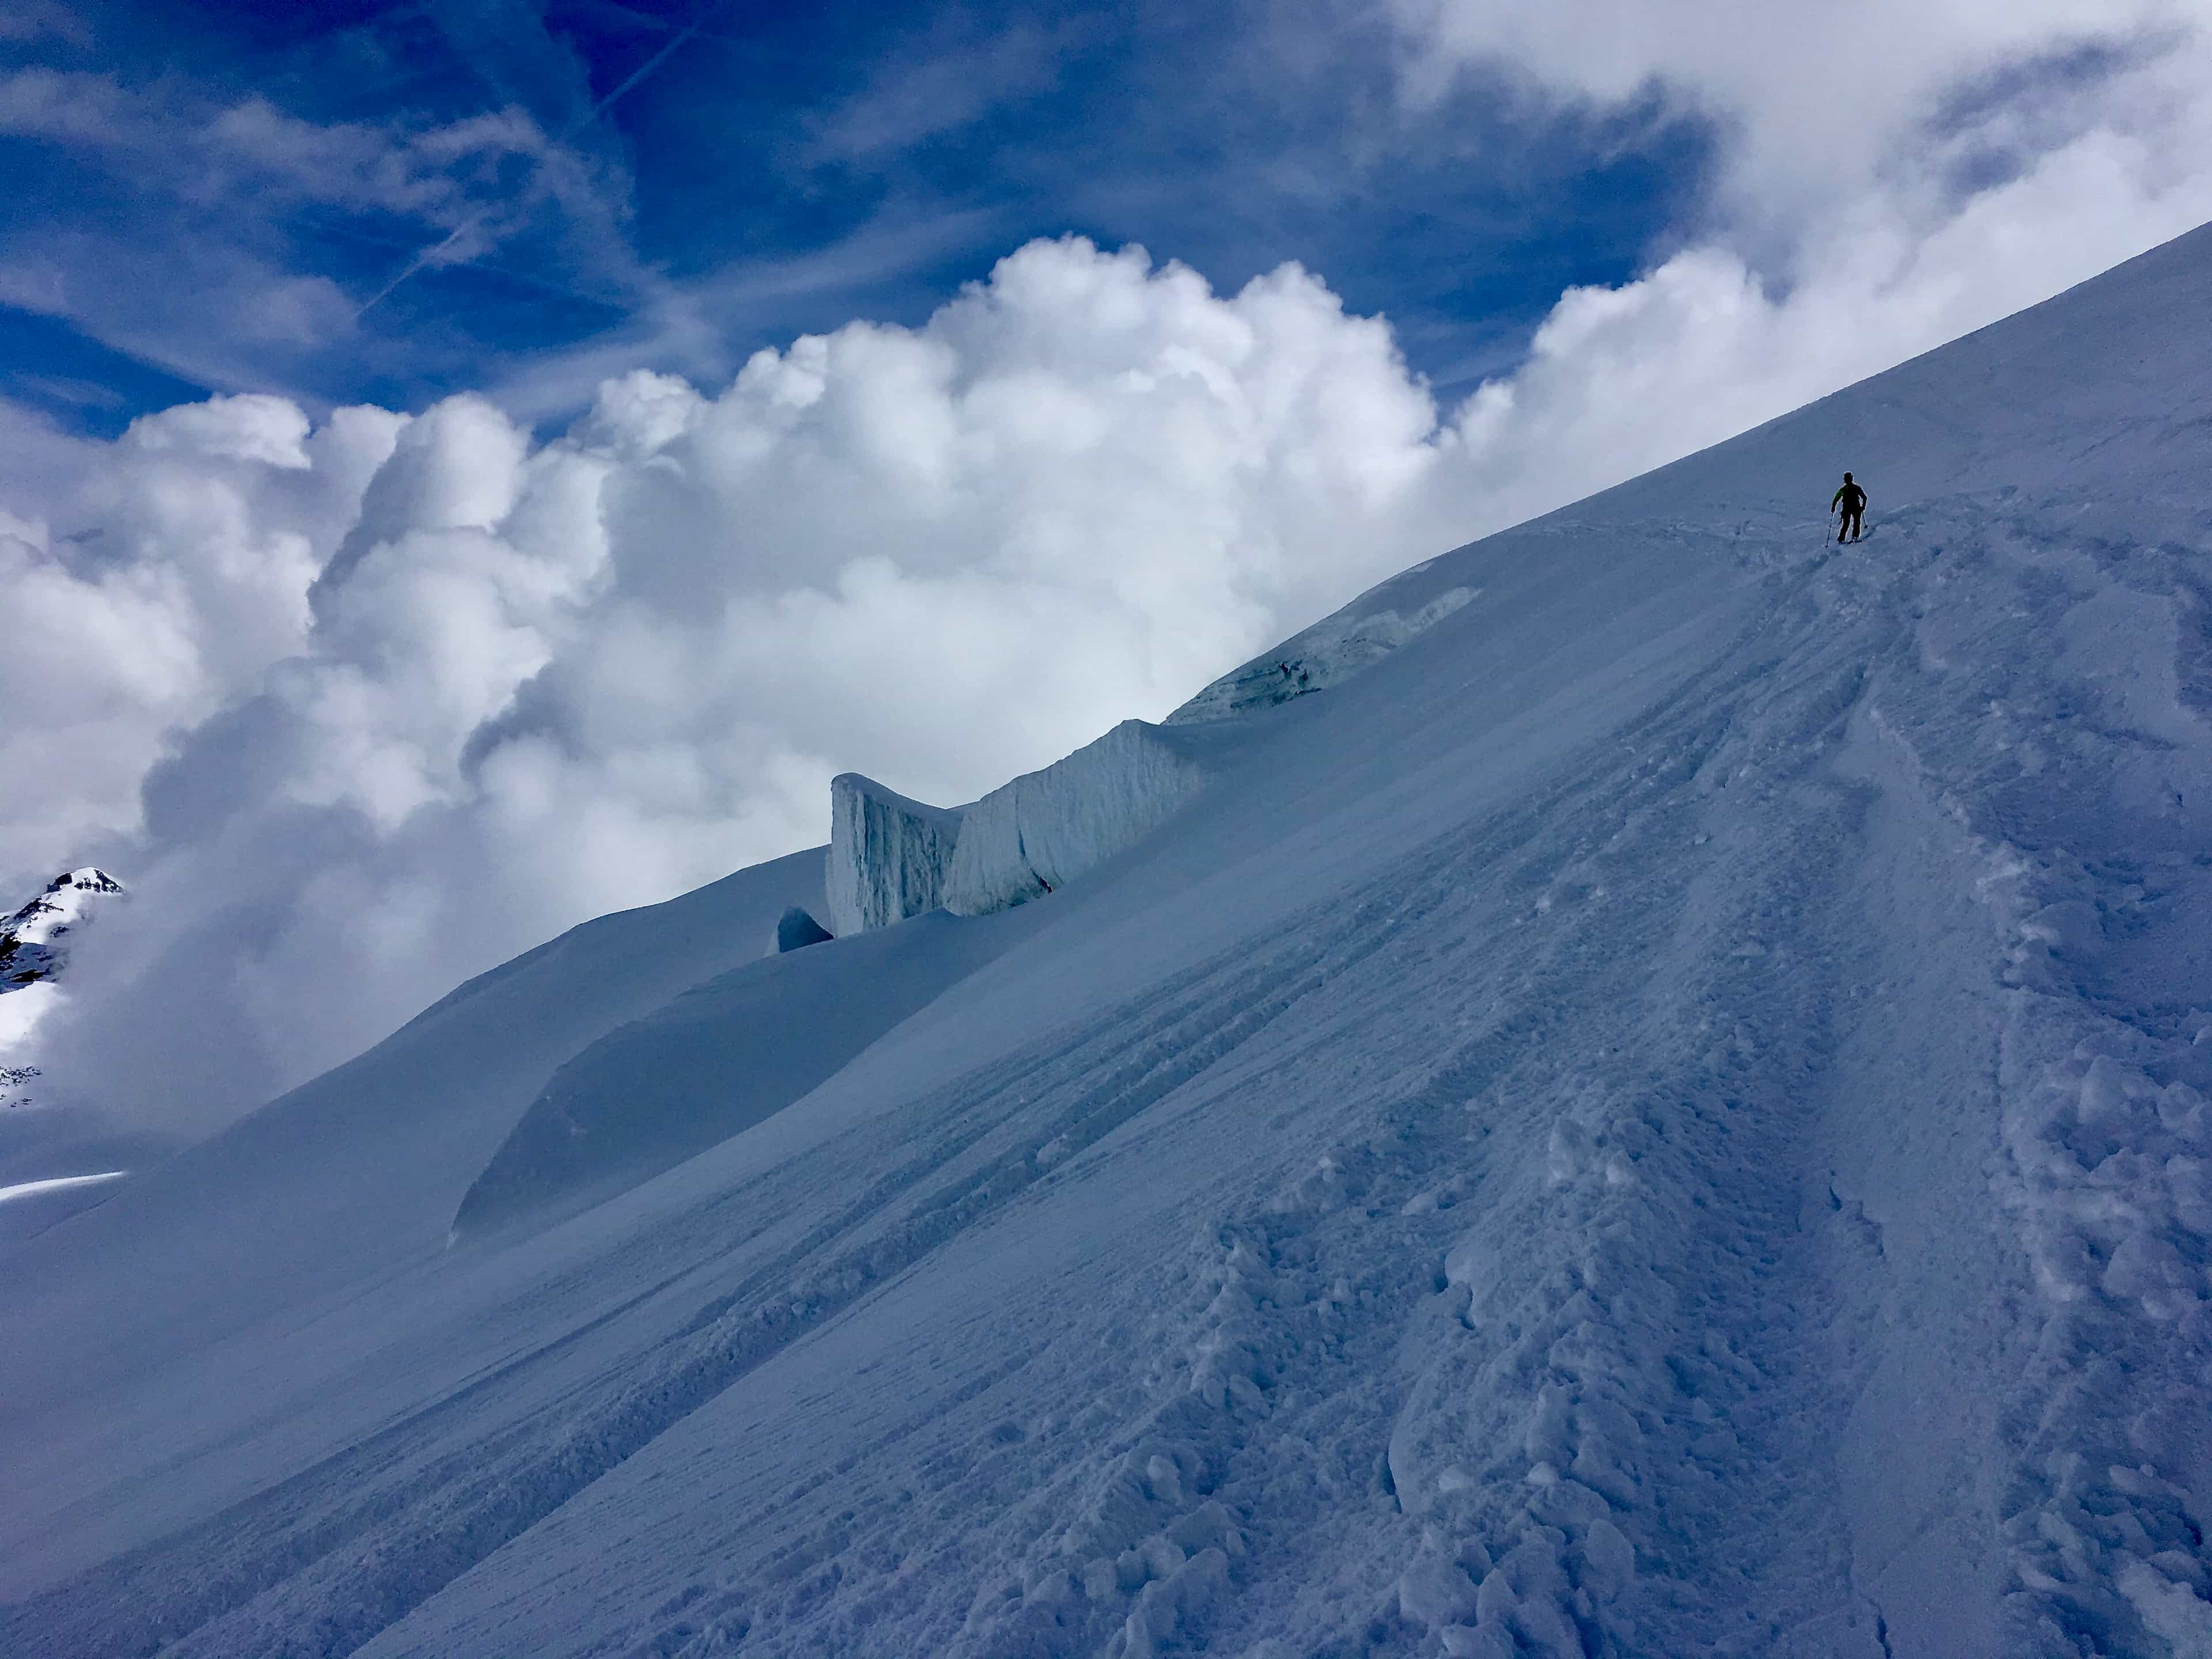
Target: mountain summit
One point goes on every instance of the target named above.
(1645, 1092)
(33, 958)
(30, 940)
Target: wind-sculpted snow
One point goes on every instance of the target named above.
(887, 855)
(1339, 645)
(1666, 1116)
(1039, 832)
(719, 1059)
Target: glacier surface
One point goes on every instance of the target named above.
(1668, 1115)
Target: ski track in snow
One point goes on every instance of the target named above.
(1744, 1192)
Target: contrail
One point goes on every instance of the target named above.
(647, 68)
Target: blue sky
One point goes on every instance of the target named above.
(675, 185)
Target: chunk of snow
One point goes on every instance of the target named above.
(1608, 1559)
(888, 854)
(1436, 1591)
(2174, 1611)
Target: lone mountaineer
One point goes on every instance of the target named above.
(1852, 500)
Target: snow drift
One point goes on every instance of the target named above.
(717, 1059)
(1668, 1114)
(1338, 647)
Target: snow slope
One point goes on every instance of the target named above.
(1667, 1116)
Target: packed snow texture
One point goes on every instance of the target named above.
(1037, 833)
(887, 855)
(1668, 1115)
(1333, 650)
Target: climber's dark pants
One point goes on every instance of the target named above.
(1850, 532)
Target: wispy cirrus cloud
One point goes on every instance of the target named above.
(245, 201)
(957, 70)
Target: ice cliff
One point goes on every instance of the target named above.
(888, 854)
(1041, 831)
(891, 858)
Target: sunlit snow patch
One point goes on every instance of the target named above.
(58, 1184)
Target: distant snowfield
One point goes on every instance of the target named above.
(1668, 1115)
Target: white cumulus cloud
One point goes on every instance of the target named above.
(426, 691)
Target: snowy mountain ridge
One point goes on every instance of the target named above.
(1668, 1114)
(33, 961)
(30, 940)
